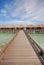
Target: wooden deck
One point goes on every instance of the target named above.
(20, 52)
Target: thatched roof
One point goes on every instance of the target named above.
(41, 26)
(2, 26)
(6, 26)
(29, 26)
(9, 27)
(20, 26)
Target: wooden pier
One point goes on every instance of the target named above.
(20, 52)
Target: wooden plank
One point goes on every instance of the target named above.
(20, 52)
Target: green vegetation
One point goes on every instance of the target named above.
(39, 39)
(5, 39)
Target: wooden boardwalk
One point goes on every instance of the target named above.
(20, 52)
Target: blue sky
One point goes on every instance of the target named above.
(21, 12)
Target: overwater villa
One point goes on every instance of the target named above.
(29, 28)
(35, 29)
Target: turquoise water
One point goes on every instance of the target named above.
(39, 39)
(5, 39)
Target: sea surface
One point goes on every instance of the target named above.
(5, 38)
(39, 39)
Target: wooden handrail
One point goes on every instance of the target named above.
(36, 48)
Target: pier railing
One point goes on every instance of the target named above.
(36, 48)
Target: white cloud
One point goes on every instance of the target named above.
(26, 10)
(14, 22)
(3, 12)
